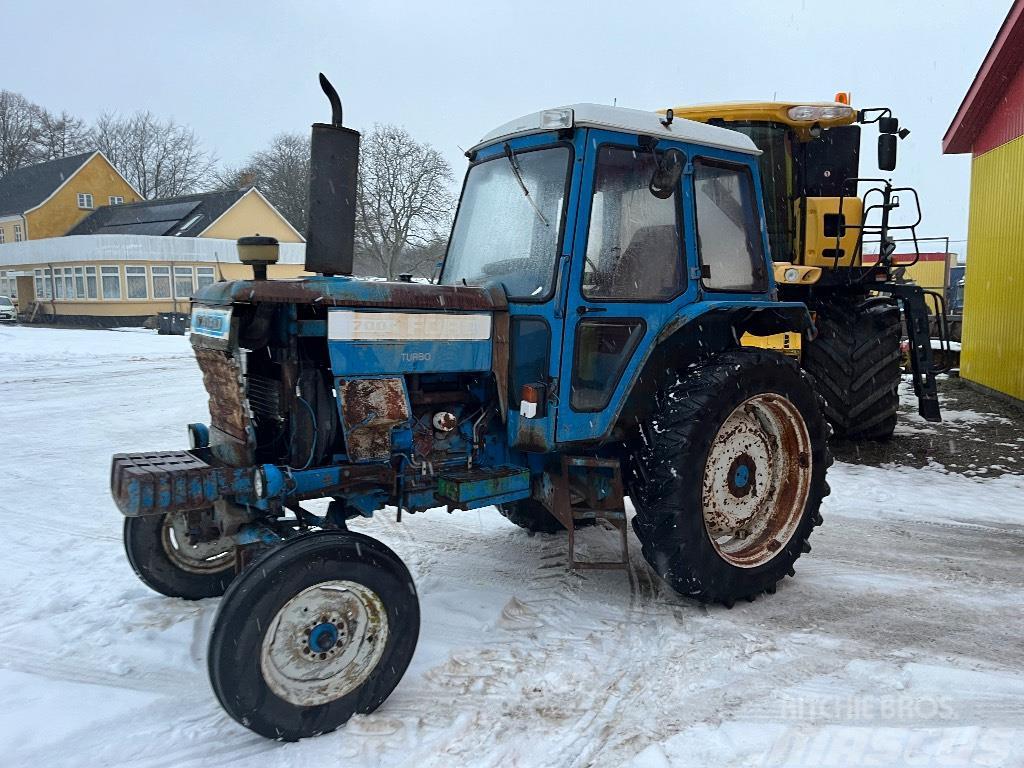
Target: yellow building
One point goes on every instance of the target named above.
(990, 126)
(48, 199)
(126, 263)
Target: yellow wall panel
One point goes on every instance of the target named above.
(993, 330)
(61, 212)
(250, 216)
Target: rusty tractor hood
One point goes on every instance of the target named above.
(353, 292)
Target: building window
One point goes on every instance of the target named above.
(111, 279)
(161, 282)
(58, 284)
(79, 283)
(90, 282)
(115, 200)
(17, 233)
(135, 278)
(69, 283)
(85, 200)
(204, 277)
(3, 234)
(183, 282)
(4, 285)
(187, 224)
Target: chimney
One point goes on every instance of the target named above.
(333, 167)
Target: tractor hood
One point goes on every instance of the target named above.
(352, 292)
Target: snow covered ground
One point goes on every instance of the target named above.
(898, 642)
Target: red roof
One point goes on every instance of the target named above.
(997, 71)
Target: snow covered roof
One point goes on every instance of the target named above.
(629, 120)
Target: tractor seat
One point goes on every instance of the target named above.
(649, 267)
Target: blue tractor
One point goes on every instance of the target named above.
(581, 344)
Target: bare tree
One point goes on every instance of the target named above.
(19, 130)
(160, 158)
(60, 135)
(404, 204)
(281, 172)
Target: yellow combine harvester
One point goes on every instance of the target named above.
(819, 211)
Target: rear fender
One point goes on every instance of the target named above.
(690, 338)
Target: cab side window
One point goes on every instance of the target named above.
(728, 228)
(634, 250)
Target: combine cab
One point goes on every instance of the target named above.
(820, 215)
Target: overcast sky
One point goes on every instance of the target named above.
(449, 71)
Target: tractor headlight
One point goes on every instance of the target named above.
(259, 484)
(791, 275)
(198, 436)
(554, 119)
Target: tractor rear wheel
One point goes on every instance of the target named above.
(533, 517)
(161, 556)
(730, 476)
(318, 629)
(854, 364)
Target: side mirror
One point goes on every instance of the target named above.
(665, 178)
(887, 152)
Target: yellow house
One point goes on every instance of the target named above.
(48, 199)
(124, 264)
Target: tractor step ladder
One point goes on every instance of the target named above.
(602, 499)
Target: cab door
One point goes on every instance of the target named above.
(629, 274)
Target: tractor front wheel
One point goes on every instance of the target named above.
(730, 476)
(318, 629)
(161, 555)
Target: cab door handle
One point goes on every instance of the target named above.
(583, 309)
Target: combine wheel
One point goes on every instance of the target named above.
(731, 476)
(316, 630)
(159, 552)
(854, 364)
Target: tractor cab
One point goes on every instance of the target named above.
(605, 228)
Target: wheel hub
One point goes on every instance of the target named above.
(756, 480)
(742, 475)
(324, 643)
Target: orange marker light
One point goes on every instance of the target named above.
(843, 97)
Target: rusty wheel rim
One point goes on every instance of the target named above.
(324, 643)
(203, 557)
(756, 480)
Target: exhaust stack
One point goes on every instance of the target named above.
(333, 168)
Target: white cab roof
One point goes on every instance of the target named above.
(630, 121)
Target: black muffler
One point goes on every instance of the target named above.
(333, 171)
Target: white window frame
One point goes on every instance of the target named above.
(163, 273)
(79, 283)
(209, 272)
(17, 233)
(136, 271)
(86, 201)
(92, 284)
(69, 284)
(182, 272)
(110, 271)
(115, 200)
(3, 234)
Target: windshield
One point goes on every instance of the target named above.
(776, 164)
(504, 235)
(5, 302)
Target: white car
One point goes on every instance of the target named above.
(8, 312)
